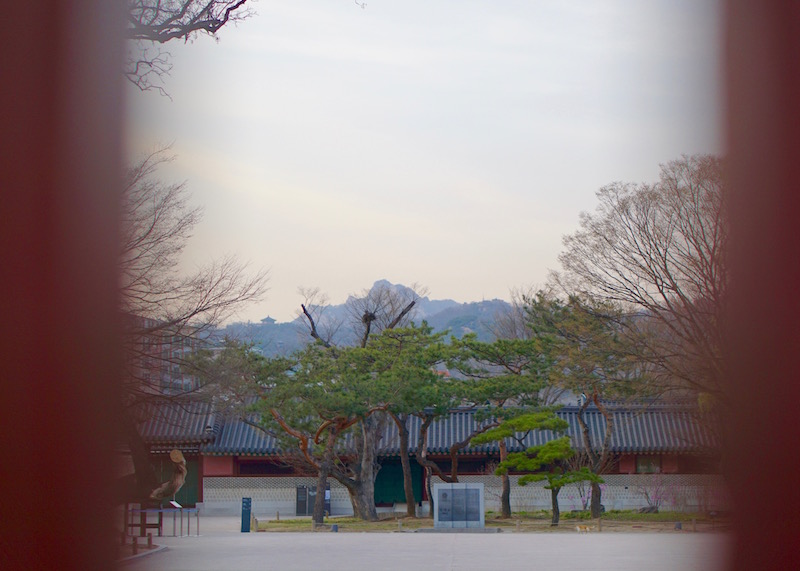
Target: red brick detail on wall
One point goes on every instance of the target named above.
(217, 465)
(627, 464)
(669, 464)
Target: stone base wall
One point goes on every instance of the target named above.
(223, 495)
(671, 492)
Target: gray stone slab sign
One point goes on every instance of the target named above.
(458, 506)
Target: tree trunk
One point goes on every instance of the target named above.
(454, 464)
(145, 480)
(505, 496)
(319, 502)
(362, 489)
(360, 479)
(596, 506)
(362, 495)
(422, 453)
(554, 499)
(586, 439)
(599, 462)
(428, 476)
(604, 457)
(458, 446)
(405, 461)
(362, 498)
(430, 468)
(322, 479)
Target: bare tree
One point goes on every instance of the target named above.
(514, 323)
(316, 320)
(168, 315)
(382, 307)
(378, 309)
(152, 23)
(369, 312)
(170, 311)
(658, 250)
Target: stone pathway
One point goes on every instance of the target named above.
(222, 546)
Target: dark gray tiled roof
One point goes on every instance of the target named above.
(184, 425)
(238, 437)
(650, 429)
(654, 429)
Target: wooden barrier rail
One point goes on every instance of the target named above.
(144, 522)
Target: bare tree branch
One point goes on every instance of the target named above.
(659, 252)
(401, 315)
(169, 315)
(314, 333)
(152, 23)
(164, 20)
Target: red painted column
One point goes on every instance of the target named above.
(763, 117)
(218, 465)
(627, 464)
(59, 349)
(669, 464)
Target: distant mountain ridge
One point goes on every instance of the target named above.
(273, 338)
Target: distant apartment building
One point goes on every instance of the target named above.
(157, 354)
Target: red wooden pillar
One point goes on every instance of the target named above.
(59, 157)
(763, 117)
(627, 464)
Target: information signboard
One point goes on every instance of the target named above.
(458, 505)
(247, 504)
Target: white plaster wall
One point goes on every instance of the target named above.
(271, 495)
(679, 492)
(673, 492)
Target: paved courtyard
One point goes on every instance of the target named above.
(221, 546)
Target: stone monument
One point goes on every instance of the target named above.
(458, 506)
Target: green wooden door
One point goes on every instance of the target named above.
(389, 483)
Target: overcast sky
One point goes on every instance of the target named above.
(447, 143)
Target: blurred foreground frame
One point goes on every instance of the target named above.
(59, 168)
(762, 77)
(59, 173)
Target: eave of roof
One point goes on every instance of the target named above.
(188, 424)
(637, 430)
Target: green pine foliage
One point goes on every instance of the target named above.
(545, 462)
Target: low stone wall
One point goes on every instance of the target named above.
(673, 492)
(223, 495)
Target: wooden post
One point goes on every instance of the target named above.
(126, 519)
(599, 524)
(694, 524)
(135, 544)
(517, 526)
(149, 541)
